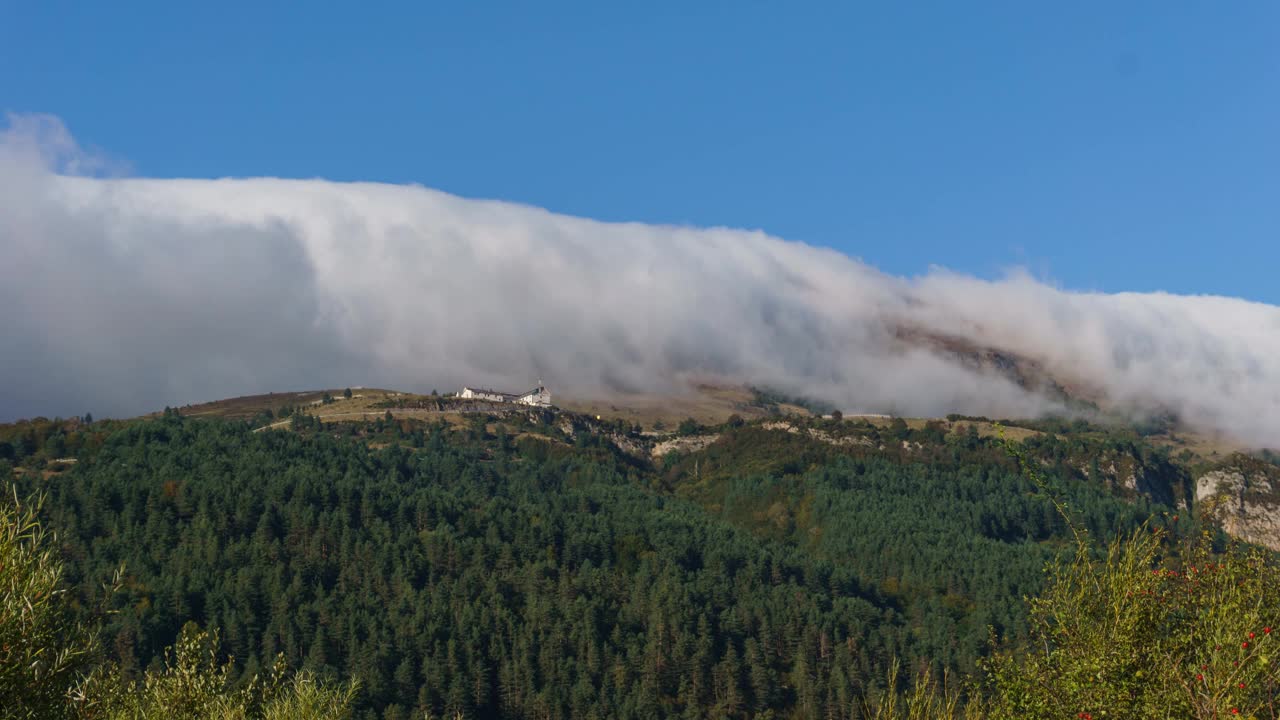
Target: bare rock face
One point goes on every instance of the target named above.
(1218, 482)
(635, 447)
(1244, 496)
(826, 437)
(690, 443)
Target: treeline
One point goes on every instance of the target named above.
(505, 569)
(512, 579)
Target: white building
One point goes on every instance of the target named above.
(537, 397)
(485, 394)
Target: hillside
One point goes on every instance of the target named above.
(504, 561)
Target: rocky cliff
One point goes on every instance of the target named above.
(1243, 494)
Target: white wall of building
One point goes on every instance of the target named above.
(540, 397)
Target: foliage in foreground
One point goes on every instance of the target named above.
(195, 685)
(47, 660)
(926, 700)
(1157, 629)
(42, 650)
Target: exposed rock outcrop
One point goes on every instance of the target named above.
(686, 444)
(633, 446)
(823, 436)
(1244, 496)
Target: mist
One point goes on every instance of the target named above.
(122, 295)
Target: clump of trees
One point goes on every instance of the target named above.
(51, 665)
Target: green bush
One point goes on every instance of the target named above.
(1154, 630)
(194, 685)
(42, 649)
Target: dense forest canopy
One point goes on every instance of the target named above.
(527, 566)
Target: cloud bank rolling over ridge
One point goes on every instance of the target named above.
(124, 295)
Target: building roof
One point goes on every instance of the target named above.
(540, 388)
(485, 390)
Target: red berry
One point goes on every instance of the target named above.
(1250, 636)
(1241, 686)
(1199, 676)
(1266, 630)
(1244, 644)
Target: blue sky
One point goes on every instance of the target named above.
(1103, 145)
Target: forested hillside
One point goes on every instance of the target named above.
(511, 567)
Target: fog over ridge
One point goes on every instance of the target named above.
(123, 295)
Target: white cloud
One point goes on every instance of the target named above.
(123, 295)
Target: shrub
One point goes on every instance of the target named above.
(42, 650)
(194, 685)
